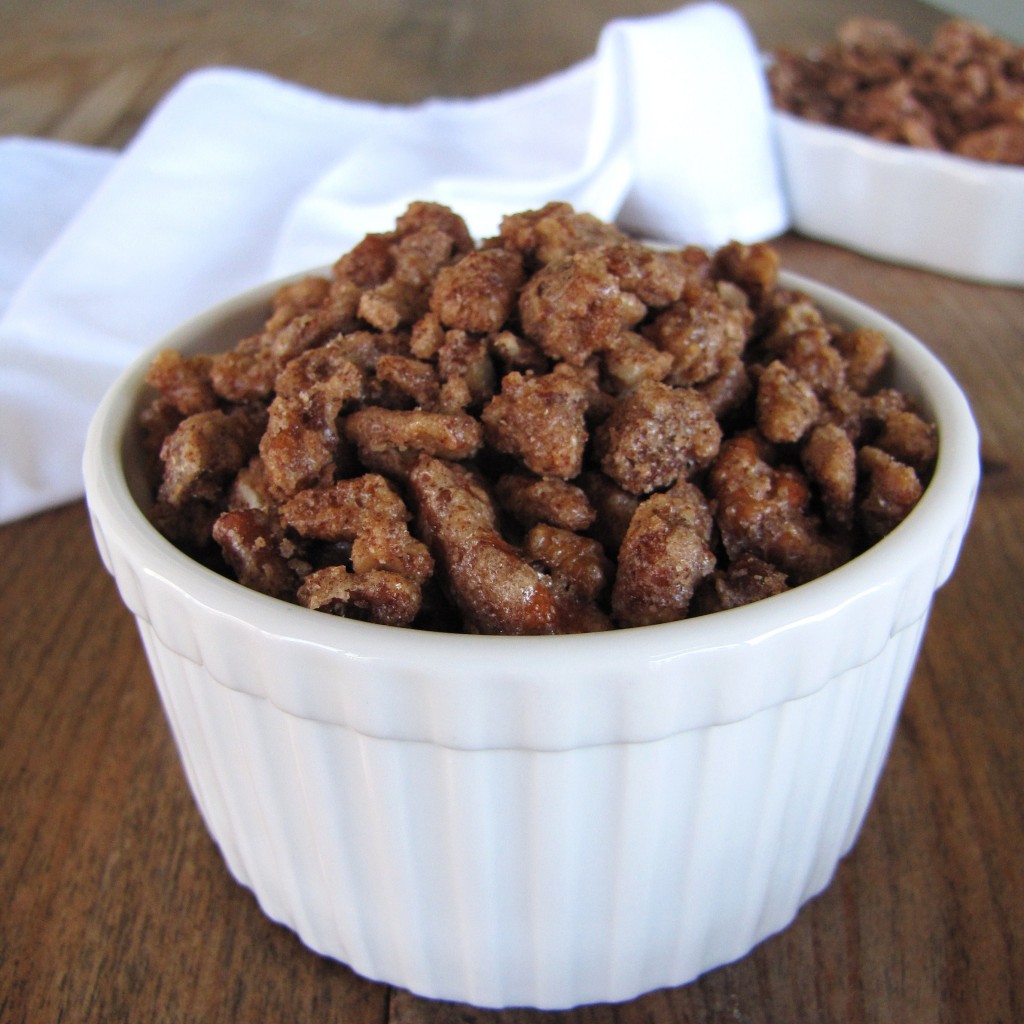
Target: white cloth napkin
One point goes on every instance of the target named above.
(237, 177)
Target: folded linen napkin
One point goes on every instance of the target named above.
(236, 178)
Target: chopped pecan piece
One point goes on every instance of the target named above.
(664, 556)
(386, 598)
(656, 435)
(541, 421)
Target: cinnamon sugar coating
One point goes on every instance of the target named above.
(479, 292)
(257, 551)
(765, 510)
(575, 306)
(541, 421)
(657, 435)
(555, 430)
(531, 500)
(494, 586)
(743, 581)
(387, 598)
(664, 556)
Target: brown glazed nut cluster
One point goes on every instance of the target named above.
(962, 93)
(557, 430)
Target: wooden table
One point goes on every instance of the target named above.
(115, 904)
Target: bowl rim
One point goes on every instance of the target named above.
(938, 519)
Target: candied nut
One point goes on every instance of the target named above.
(402, 298)
(754, 268)
(726, 392)
(574, 307)
(704, 330)
(891, 112)
(494, 587)
(816, 360)
(455, 396)
(541, 421)
(421, 215)
(849, 411)
(386, 598)
(630, 358)
(391, 305)
(300, 445)
(248, 371)
(614, 508)
(298, 297)
(788, 314)
(413, 378)
(742, 582)
(555, 231)
(251, 542)
(996, 143)
(205, 451)
(426, 336)
(531, 500)
(907, 437)
(157, 419)
(959, 41)
(479, 292)
(183, 383)
(875, 36)
(251, 488)
(328, 369)
(664, 556)
(394, 272)
(883, 403)
(463, 357)
(188, 526)
(367, 512)
(391, 439)
(830, 461)
(762, 510)
(891, 487)
(866, 353)
(577, 564)
(786, 404)
(579, 571)
(365, 349)
(367, 264)
(517, 353)
(656, 435)
(657, 277)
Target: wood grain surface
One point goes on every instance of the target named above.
(115, 904)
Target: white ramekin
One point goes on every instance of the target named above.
(936, 211)
(542, 821)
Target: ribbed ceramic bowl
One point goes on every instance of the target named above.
(936, 211)
(542, 821)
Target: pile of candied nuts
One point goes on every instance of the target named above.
(559, 430)
(963, 93)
